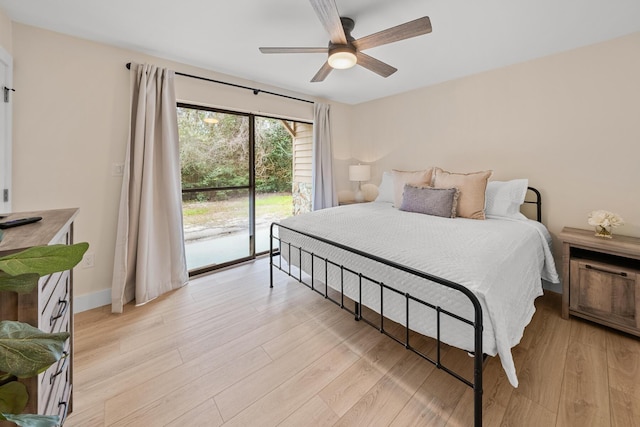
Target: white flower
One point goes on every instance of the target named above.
(605, 219)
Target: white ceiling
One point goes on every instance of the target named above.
(469, 36)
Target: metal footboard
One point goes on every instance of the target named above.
(289, 248)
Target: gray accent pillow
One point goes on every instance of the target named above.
(431, 201)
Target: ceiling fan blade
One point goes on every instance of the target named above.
(293, 49)
(407, 30)
(327, 12)
(378, 67)
(322, 73)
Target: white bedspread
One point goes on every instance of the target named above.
(500, 260)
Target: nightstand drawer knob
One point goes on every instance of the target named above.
(604, 270)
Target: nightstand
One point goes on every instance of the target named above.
(601, 279)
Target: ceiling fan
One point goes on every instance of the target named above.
(343, 50)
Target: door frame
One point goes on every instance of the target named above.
(6, 195)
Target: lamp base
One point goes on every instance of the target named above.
(359, 197)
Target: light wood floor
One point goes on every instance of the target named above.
(227, 350)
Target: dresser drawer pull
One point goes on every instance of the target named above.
(65, 357)
(64, 413)
(64, 305)
(619, 273)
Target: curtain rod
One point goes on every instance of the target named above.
(255, 91)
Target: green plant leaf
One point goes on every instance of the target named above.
(44, 259)
(22, 283)
(13, 397)
(26, 351)
(28, 420)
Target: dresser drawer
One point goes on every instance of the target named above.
(62, 406)
(58, 305)
(51, 378)
(47, 285)
(57, 402)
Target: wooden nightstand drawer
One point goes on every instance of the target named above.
(605, 291)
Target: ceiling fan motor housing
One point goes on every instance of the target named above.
(342, 56)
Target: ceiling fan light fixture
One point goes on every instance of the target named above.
(342, 57)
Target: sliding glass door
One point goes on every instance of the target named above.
(236, 180)
(217, 163)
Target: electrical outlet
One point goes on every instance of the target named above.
(88, 260)
(117, 169)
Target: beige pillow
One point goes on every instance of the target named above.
(472, 188)
(400, 178)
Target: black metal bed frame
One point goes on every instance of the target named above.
(477, 325)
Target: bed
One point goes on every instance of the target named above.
(467, 283)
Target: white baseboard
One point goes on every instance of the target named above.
(93, 300)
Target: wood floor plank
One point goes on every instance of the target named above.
(299, 335)
(497, 393)
(203, 415)
(144, 394)
(588, 333)
(436, 399)
(382, 403)
(625, 409)
(178, 401)
(90, 417)
(124, 380)
(215, 335)
(313, 413)
(585, 388)
(623, 358)
(243, 393)
(343, 392)
(523, 412)
(289, 396)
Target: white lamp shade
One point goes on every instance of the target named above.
(359, 173)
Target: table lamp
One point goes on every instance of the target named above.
(359, 173)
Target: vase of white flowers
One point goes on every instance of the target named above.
(605, 222)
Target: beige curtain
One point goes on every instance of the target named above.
(149, 255)
(323, 186)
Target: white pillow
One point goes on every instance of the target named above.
(385, 189)
(504, 198)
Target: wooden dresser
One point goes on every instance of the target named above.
(601, 279)
(49, 307)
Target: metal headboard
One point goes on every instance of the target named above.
(537, 202)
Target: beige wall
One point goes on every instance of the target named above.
(570, 123)
(71, 124)
(5, 32)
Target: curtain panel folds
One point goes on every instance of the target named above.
(149, 254)
(323, 186)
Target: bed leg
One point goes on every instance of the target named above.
(356, 310)
(271, 256)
